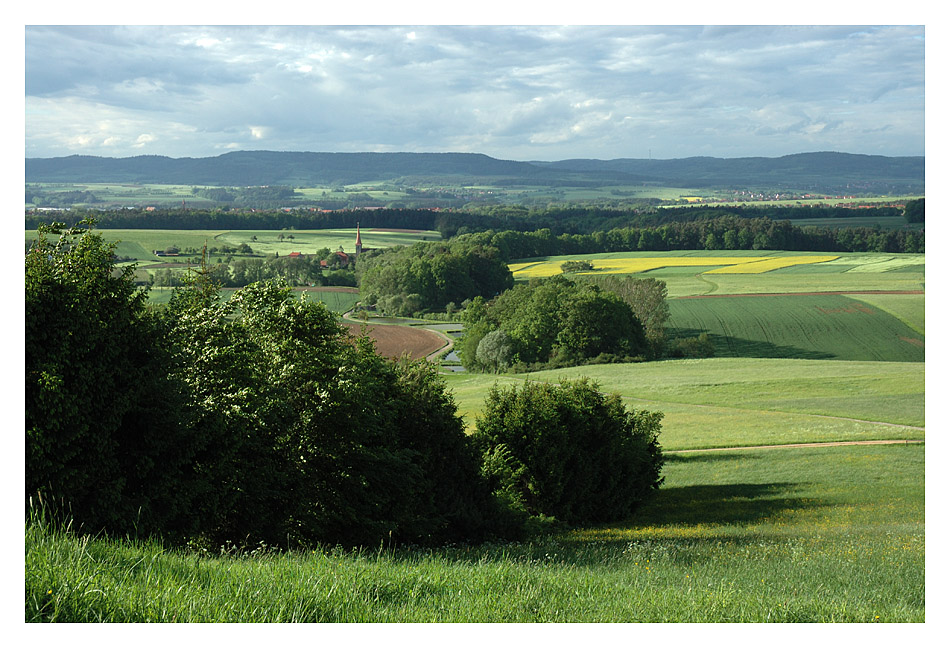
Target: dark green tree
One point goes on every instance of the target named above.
(914, 211)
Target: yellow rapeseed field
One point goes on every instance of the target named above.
(727, 265)
(769, 263)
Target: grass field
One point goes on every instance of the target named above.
(140, 244)
(804, 326)
(724, 402)
(805, 535)
(336, 299)
(795, 535)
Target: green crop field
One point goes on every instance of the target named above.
(722, 402)
(799, 326)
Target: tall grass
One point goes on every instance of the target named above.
(829, 535)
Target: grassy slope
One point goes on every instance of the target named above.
(721, 402)
(798, 326)
(833, 535)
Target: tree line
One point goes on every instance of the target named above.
(430, 276)
(260, 419)
(323, 268)
(560, 219)
(722, 233)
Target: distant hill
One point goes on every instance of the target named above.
(819, 171)
(802, 169)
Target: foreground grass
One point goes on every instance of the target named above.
(827, 535)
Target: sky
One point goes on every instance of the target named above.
(511, 92)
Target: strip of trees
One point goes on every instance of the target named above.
(430, 276)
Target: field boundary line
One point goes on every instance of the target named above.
(807, 294)
(819, 444)
(775, 411)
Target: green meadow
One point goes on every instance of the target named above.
(139, 244)
(804, 535)
(802, 326)
(724, 402)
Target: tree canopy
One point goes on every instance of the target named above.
(552, 321)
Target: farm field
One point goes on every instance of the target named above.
(726, 402)
(393, 341)
(845, 327)
(699, 272)
(140, 244)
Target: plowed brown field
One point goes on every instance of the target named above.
(392, 341)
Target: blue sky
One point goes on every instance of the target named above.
(521, 93)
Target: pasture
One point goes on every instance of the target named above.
(336, 298)
(792, 535)
(725, 402)
(139, 244)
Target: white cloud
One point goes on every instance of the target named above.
(512, 92)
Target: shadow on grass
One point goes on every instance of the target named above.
(721, 504)
(681, 522)
(734, 347)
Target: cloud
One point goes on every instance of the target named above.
(512, 92)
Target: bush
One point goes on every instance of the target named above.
(569, 452)
(576, 266)
(256, 419)
(314, 437)
(695, 347)
(103, 434)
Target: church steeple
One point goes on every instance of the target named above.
(359, 243)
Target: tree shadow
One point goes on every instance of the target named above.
(734, 347)
(720, 504)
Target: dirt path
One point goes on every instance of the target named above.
(799, 445)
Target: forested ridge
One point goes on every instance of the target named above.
(823, 170)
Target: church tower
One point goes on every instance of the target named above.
(359, 243)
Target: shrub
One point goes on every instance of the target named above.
(314, 437)
(102, 431)
(576, 266)
(694, 347)
(569, 452)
